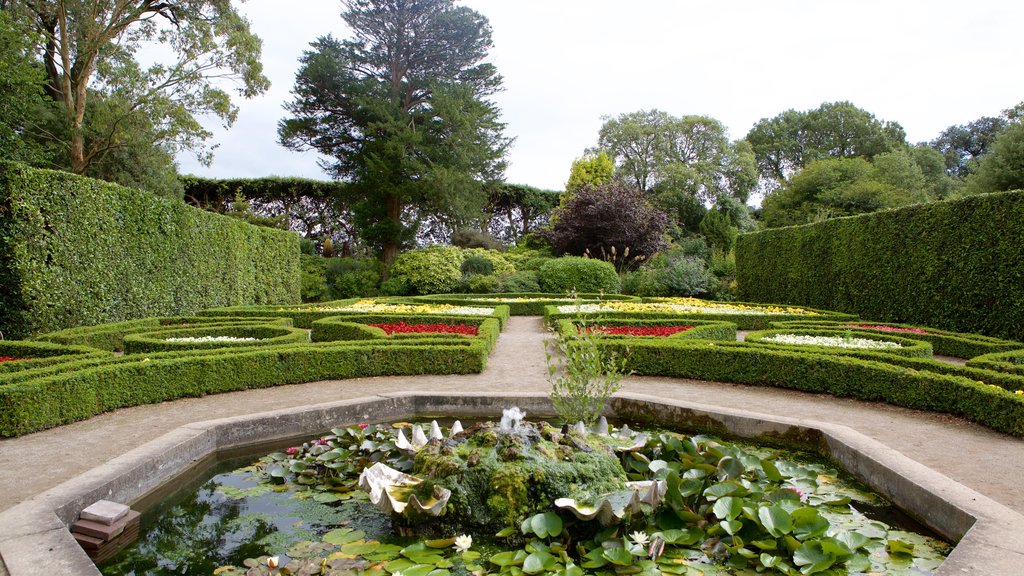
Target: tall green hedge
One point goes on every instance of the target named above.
(76, 251)
(956, 265)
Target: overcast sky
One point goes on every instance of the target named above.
(926, 64)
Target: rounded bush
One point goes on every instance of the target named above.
(524, 281)
(351, 278)
(476, 265)
(572, 273)
(686, 276)
(431, 270)
(500, 265)
(483, 284)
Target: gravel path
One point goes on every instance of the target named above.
(986, 461)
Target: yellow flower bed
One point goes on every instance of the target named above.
(368, 306)
(688, 305)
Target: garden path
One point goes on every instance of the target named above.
(987, 461)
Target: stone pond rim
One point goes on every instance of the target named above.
(36, 539)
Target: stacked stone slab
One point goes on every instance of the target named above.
(105, 528)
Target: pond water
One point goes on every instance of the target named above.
(237, 514)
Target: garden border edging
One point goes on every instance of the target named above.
(36, 538)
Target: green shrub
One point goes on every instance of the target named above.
(645, 281)
(954, 265)
(500, 264)
(572, 273)
(723, 264)
(76, 251)
(686, 276)
(395, 287)
(432, 270)
(476, 265)
(522, 281)
(719, 231)
(314, 277)
(352, 278)
(467, 238)
(482, 284)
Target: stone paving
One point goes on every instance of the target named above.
(986, 461)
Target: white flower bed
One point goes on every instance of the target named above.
(583, 308)
(468, 311)
(210, 339)
(831, 341)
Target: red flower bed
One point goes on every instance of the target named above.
(884, 328)
(403, 328)
(639, 330)
(8, 358)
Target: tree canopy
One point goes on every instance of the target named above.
(784, 144)
(1003, 167)
(401, 110)
(107, 107)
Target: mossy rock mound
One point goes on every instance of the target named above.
(498, 478)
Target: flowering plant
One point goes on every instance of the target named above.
(885, 328)
(366, 306)
(638, 330)
(10, 358)
(690, 305)
(403, 328)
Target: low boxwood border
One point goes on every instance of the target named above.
(304, 316)
(837, 374)
(354, 327)
(944, 342)
(47, 397)
(702, 329)
(111, 336)
(534, 308)
(1010, 362)
(39, 354)
(742, 321)
(265, 336)
(909, 347)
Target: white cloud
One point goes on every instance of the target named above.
(924, 64)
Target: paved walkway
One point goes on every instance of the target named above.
(986, 461)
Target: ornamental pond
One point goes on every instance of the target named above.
(526, 497)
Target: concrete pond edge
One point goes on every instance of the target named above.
(35, 538)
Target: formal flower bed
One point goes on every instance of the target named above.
(830, 341)
(403, 328)
(636, 330)
(373, 306)
(885, 328)
(210, 339)
(10, 359)
(684, 305)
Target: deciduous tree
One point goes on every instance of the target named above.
(89, 50)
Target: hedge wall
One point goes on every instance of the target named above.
(956, 265)
(76, 251)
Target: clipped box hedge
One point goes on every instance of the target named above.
(305, 315)
(355, 327)
(111, 336)
(742, 321)
(76, 251)
(957, 265)
(532, 306)
(944, 342)
(1010, 362)
(702, 329)
(30, 355)
(264, 336)
(875, 379)
(33, 400)
(908, 347)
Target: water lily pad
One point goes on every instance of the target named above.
(618, 556)
(538, 562)
(775, 520)
(343, 536)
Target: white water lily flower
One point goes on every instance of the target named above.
(273, 561)
(462, 543)
(639, 538)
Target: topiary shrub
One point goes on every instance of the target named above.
(431, 270)
(644, 282)
(314, 277)
(395, 287)
(482, 284)
(572, 273)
